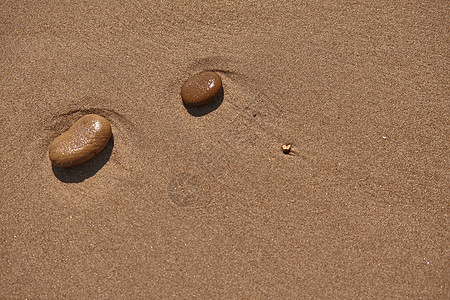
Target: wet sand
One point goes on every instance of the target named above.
(201, 202)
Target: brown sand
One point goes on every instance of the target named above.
(203, 203)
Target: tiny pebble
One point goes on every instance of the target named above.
(201, 88)
(286, 148)
(82, 141)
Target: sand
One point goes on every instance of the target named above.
(202, 203)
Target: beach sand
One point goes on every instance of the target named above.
(202, 203)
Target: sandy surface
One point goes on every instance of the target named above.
(203, 203)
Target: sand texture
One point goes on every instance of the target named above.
(201, 203)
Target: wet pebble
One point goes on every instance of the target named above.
(201, 88)
(82, 141)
